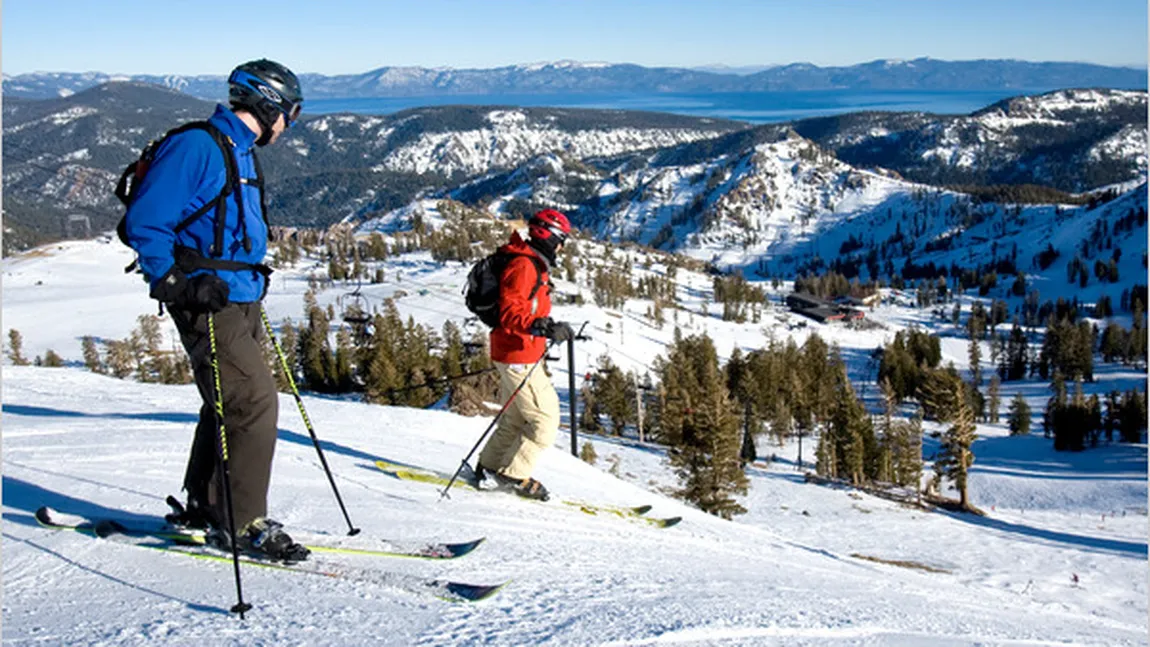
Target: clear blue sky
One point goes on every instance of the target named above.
(338, 36)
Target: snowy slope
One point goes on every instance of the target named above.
(576, 579)
(781, 574)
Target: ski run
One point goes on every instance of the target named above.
(1061, 557)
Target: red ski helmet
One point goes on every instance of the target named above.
(549, 226)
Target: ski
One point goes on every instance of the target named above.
(446, 590)
(48, 517)
(191, 545)
(421, 475)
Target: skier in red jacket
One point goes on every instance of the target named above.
(530, 423)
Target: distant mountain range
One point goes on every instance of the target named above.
(587, 78)
(652, 177)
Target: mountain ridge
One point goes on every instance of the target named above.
(588, 78)
(64, 155)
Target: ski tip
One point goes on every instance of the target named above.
(461, 592)
(643, 509)
(459, 550)
(44, 515)
(670, 521)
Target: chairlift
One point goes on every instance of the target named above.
(355, 313)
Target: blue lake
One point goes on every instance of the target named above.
(756, 107)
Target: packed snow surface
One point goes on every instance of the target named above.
(1060, 558)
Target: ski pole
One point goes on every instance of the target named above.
(240, 606)
(495, 420)
(572, 394)
(352, 530)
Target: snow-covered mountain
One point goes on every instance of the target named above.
(773, 203)
(589, 77)
(64, 155)
(455, 142)
(1068, 139)
(670, 181)
(1061, 556)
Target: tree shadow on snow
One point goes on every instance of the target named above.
(184, 418)
(1092, 544)
(1034, 456)
(28, 497)
(25, 410)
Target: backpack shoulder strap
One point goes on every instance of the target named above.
(259, 184)
(231, 184)
(540, 269)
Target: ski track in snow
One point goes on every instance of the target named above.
(782, 574)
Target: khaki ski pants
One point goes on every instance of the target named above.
(528, 425)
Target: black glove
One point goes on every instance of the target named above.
(203, 293)
(553, 330)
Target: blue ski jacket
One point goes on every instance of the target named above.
(187, 172)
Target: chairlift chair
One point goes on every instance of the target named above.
(356, 313)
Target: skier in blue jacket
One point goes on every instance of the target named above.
(195, 267)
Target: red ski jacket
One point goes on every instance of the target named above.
(510, 342)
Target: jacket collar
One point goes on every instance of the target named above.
(519, 246)
(229, 124)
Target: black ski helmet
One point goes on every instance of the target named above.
(266, 89)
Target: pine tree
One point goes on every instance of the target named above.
(317, 360)
(470, 395)
(342, 376)
(176, 367)
(1057, 399)
(843, 446)
(52, 360)
(975, 352)
(781, 422)
(1132, 416)
(1016, 360)
(611, 395)
(747, 452)
(946, 394)
(16, 348)
(92, 355)
(908, 454)
(901, 443)
(289, 345)
(145, 343)
(382, 378)
(589, 421)
(119, 358)
(702, 427)
(452, 358)
(1019, 420)
(587, 453)
(994, 398)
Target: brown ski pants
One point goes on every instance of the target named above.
(251, 410)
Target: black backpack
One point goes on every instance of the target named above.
(481, 294)
(129, 183)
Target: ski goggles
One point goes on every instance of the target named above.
(291, 109)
